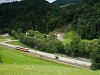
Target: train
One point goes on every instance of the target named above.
(22, 49)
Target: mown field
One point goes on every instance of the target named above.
(18, 63)
(68, 36)
(3, 38)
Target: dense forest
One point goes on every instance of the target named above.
(86, 19)
(27, 14)
(63, 2)
(45, 17)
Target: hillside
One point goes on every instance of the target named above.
(83, 18)
(45, 17)
(63, 2)
(72, 30)
(16, 63)
(27, 14)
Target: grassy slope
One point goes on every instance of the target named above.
(18, 63)
(3, 38)
(69, 35)
(12, 56)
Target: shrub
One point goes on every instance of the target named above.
(95, 57)
(17, 34)
(75, 45)
(59, 46)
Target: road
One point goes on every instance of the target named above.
(71, 61)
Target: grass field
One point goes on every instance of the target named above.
(17, 43)
(3, 38)
(18, 63)
(69, 35)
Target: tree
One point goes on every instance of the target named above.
(59, 46)
(95, 57)
(68, 49)
(75, 46)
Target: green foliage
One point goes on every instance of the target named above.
(33, 14)
(85, 49)
(60, 47)
(84, 18)
(14, 34)
(17, 34)
(78, 47)
(63, 2)
(0, 58)
(43, 42)
(74, 46)
(39, 15)
(87, 22)
(95, 56)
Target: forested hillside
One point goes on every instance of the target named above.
(45, 17)
(33, 23)
(27, 14)
(86, 19)
(63, 2)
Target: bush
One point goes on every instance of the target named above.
(42, 42)
(59, 46)
(74, 46)
(67, 49)
(14, 34)
(95, 57)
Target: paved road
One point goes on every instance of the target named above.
(52, 56)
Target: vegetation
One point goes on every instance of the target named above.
(38, 18)
(68, 36)
(69, 2)
(28, 14)
(84, 18)
(63, 2)
(3, 38)
(95, 56)
(74, 46)
(0, 58)
(16, 63)
(18, 43)
(43, 42)
(10, 56)
(49, 43)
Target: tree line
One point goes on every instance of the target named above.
(44, 17)
(37, 15)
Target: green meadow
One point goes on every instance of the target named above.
(3, 38)
(19, 63)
